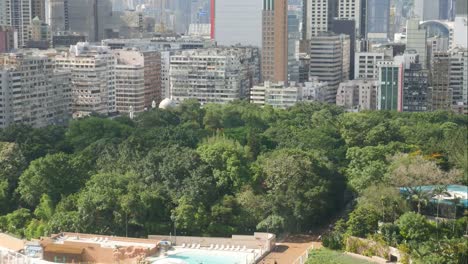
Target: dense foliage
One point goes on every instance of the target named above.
(222, 169)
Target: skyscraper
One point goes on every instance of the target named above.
(377, 18)
(441, 95)
(351, 10)
(417, 40)
(18, 15)
(318, 16)
(238, 21)
(275, 40)
(88, 17)
(389, 93)
(38, 9)
(329, 61)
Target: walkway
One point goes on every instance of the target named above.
(291, 248)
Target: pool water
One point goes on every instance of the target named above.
(213, 257)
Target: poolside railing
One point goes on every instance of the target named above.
(11, 257)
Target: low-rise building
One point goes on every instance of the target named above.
(280, 95)
(357, 95)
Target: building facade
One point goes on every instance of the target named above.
(137, 80)
(441, 94)
(275, 40)
(217, 75)
(459, 79)
(351, 10)
(365, 65)
(357, 95)
(18, 15)
(389, 92)
(377, 19)
(417, 40)
(32, 92)
(318, 15)
(93, 78)
(329, 61)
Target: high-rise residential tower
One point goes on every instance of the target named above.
(318, 16)
(18, 15)
(38, 9)
(275, 41)
(351, 10)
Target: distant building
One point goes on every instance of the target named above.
(347, 27)
(389, 93)
(318, 16)
(216, 75)
(32, 92)
(365, 66)
(88, 17)
(357, 95)
(65, 40)
(17, 14)
(416, 90)
(441, 93)
(329, 61)
(93, 78)
(352, 10)
(281, 95)
(417, 40)
(377, 19)
(275, 40)
(233, 19)
(8, 39)
(459, 79)
(40, 35)
(434, 9)
(137, 80)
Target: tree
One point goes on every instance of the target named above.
(56, 175)
(190, 216)
(272, 224)
(414, 227)
(362, 221)
(300, 186)
(387, 201)
(228, 161)
(12, 164)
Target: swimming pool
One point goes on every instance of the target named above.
(210, 257)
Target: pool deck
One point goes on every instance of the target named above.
(290, 249)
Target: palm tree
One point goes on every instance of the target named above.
(420, 197)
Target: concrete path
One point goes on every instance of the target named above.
(290, 249)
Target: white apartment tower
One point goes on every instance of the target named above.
(318, 15)
(32, 92)
(93, 78)
(213, 75)
(17, 13)
(459, 79)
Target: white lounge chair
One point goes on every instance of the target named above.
(216, 247)
(237, 248)
(211, 247)
(198, 246)
(221, 247)
(227, 247)
(194, 246)
(183, 245)
(244, 248)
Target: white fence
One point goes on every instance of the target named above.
(304, 257)
(10, 257)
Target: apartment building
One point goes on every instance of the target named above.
(365, 65)
(137, 79)
(351, 10)
(93, 78)
(17, 14)
(281, 95)
(357, 95)
(459, 79)
(32, 92)
(390, 85)
(329, 61)
(216, 75)
(441, 94)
